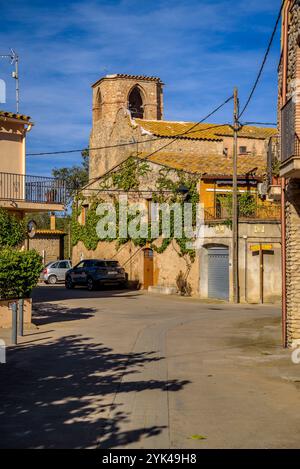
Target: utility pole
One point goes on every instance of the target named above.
(235, 215)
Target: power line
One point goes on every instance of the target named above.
(117, 165)
(63, 152)
(195, 125)
(173, 139)
(260, 123)
(211, 126)
(263, 62)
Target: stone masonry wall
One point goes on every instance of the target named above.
(292, 204)
(46, 246)
(293, 261)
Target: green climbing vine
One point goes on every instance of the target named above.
(128, 178)
(247, 206)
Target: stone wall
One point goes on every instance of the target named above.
(113, 125)
(292, 193)
(6, 312)
(50, 247)
(293, 33)
(292, 211)
(168, 264)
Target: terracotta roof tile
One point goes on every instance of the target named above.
(51, 232)
(129, 77)
(13, 115)
(213, 165)
(173, 129)
(204, 131)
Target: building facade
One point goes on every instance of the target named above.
(132, 144)
(289, 124)
(19, 192)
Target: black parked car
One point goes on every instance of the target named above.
(96, 272)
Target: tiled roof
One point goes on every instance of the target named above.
(249, 132)
(213, 165)
(129, 77)
(50, 232)
(203, 131)
(13, 115)
(170, 129)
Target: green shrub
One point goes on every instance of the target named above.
(12, 229)
(19, 272)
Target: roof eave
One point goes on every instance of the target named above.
(128, 77)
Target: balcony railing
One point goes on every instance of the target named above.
(261, 212)
(35, 189)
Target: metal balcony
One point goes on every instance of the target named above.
(33, 189)
(290, 142)
(259, 213)
(290, 166)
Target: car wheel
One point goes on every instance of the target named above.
(69, 284)
(52, 279)
(90, 284)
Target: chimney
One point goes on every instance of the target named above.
(52, 222)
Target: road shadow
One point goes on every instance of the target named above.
(47, 313)
(47, 293)
(58, 395)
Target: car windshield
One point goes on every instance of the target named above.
(99, 264)
(112, 263)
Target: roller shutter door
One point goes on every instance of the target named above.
(218, 273)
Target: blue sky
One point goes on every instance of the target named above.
(201, 49)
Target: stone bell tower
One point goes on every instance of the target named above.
(113, 97)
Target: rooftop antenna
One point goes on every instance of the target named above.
(14, 60)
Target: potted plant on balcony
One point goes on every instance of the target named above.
(19, 269)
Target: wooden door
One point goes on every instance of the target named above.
(148, 268)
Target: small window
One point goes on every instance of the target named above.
(98, 107)
(63, 265)
(154, 212)
(243, 150)
(80, 265)
(135, 104)
(54, 266)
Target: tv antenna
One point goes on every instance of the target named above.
(14, 60)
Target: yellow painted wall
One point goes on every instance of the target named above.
(12, 147)
(208, 197)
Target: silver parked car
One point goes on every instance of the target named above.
(56, 271)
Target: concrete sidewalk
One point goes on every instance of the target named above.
(128, 370)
